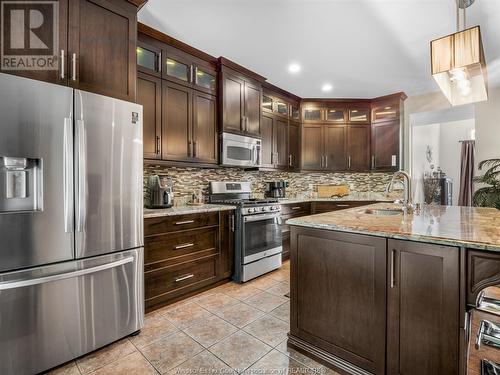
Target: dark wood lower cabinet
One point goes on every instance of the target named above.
(226, 231)
(422, 309)
(338, 295)
(186, 254)
(381, 305)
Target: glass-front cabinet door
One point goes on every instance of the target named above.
(294, 113)
(385, 112)
(148, 59)
(177, 69)
(267, 103)
(282, 108)
(359, 115)
(205, 79)
(335, 115)
(312, 114)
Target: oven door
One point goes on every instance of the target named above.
(261, 236)
(240, 151)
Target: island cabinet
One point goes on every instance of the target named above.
(338, 298)
(364, 303)
(423, 317)
(185, 254)
(96, 48)
(240, 99)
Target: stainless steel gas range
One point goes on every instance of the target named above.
(258, 241)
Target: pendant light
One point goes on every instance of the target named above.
(458, 64)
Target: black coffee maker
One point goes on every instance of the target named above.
(276, 189)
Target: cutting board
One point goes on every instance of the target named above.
(329, 191)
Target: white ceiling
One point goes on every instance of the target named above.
(363, 48)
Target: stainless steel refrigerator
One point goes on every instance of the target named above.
(71, 223)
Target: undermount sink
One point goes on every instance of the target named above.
(383, 212)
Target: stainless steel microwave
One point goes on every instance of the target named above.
(241, 151)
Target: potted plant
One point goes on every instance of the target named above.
(488, 196)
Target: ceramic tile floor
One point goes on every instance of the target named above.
(230, 329)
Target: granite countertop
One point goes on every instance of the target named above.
(183, 210)
(472, 227)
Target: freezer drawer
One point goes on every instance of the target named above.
(49, 315)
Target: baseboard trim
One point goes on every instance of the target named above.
(324, 357)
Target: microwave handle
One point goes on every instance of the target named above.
(256, 151)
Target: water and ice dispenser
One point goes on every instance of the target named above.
(20, 184)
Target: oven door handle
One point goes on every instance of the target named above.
(248, 219)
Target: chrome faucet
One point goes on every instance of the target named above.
(407, 202)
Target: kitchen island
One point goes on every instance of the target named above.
(377, 291)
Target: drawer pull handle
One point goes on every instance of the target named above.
(184, 222)
(185, 277)
(296, 208)
(183, 246)
(343, 205)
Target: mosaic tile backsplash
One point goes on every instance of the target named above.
(189, 180)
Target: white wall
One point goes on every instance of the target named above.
(443, 138)
(487, 121)
(423, 136)
(488, 127)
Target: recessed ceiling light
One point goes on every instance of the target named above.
(294, 68)
(327, 87)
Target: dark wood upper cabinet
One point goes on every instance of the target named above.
(233, 103)
(423, 309)
(338, 295)
(267, 133)
(387, 124)
(312, 147)
(358, 146)
(240, 99)
(294, 145)
(205, 128)
(335, 147)
(96, 50)
(149, 96)
(102, 38)
(274, 133)
(189, 131)
(252, 98)
(177, 119)
(385, 145)
(281, 143)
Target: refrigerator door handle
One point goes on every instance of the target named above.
(62, 276)
(82, 175)
(68, 174)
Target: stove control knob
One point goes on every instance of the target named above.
(250, 210)
(265, 208)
